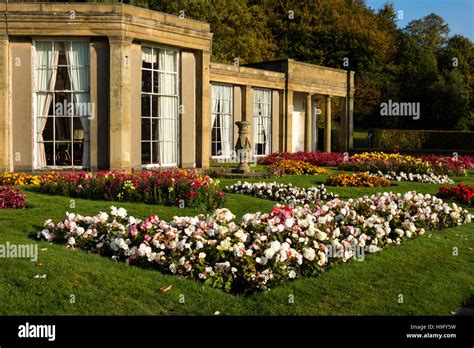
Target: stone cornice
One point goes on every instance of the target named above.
(240, 75)
(25, 19)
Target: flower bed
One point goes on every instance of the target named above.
(20, 179)
(461, 193)
(11, 198)
(315, 158)
(296, 167)
(374, 162)
(450, 165)
(425, 178)
(260, 250)
(285, 193)
(170, 187)
(357, 180)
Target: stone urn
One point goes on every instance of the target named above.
(243, 148)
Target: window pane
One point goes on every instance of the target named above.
(146, 152)
(43, 79)
(48, 147)
(154, 106)
(146, 105)
(147, 57)
(48, 129)
(155, 82)
(62, 79)
(63, 128)
(78, 152)
(146, 81)
(155, 157)
(63, 104)
(63, 154)
(78, 133)
(155, 131)
(146, 131)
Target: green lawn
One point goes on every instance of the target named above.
(424, 270)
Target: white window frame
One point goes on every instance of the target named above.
(231, 115)
(178, 100)
(33, 109)
(269, 116)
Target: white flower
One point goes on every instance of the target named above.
(322, 258)
(71, 241)
(309, 254)
(321, 236)
(202, 255)
(289, 222)
(103, 217)
(292, 274)
(121, 212)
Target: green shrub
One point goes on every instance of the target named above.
(395, 139)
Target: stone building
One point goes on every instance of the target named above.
(115, 86)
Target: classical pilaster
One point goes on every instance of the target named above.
(343, 134)
(247, 110)
(120, 103)
(203, 109)
(308, 122)
(327, 126)
(6, 129)
(350, 121)
(289, 121)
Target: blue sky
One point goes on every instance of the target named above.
(459, 14)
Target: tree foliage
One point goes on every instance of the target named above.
(419, 63)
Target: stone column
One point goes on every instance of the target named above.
(203, 110)
(314, 133)
(327, 126)
(6, 141)
(308, 122)
(350, 121)
(188, 117)
(247, 111)
(120, 103)
(343, 136)
(289, 119)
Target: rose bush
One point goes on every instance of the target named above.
(260, 250)
(285, 193)
(167, 187)
(11, 198)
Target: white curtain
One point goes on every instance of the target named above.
(262, 119)
(147, 55)
(46, 71)
(168, 112)
(77, 58)
(222, 108)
